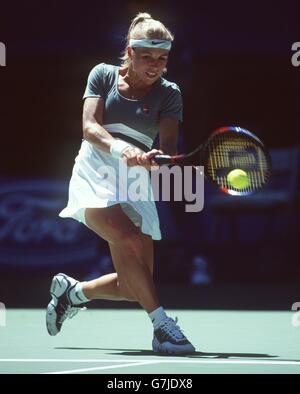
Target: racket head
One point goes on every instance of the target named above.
(230, 148)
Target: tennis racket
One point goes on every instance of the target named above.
(227, 149)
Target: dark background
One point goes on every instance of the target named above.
(232, 61)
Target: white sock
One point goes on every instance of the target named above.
(77, 295)
(157, 316)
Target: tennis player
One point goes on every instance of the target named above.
(124, 109)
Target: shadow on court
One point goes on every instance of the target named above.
(136, 352)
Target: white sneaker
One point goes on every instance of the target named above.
(168, 339)
(60, 307)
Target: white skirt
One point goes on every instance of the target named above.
(90, 189)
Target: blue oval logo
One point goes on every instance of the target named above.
(32, 234)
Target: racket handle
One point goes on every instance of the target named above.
(163, 159)
(166, 159)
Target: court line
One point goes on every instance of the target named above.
(173, 361)
(100, 368)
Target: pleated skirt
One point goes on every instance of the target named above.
(100, 180)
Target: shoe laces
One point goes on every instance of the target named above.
(170, 327)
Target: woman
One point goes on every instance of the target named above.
(124, 109)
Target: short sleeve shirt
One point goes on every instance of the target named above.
(162, 101)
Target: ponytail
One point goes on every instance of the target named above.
(140, 18)
(143, 26)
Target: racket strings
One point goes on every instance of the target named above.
(227, 152)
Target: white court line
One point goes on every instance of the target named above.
(100, 368)
(166, 361)
(63, 360)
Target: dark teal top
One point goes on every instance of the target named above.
(163, 101)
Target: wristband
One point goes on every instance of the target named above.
(117, 147)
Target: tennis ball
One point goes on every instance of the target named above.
(238, 179)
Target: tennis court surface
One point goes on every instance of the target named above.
(119, 342)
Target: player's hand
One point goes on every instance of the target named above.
(130, 156)
(146, 159)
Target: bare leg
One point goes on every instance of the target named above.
(105, 288)
(132, 254)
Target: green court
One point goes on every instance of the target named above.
(112, 341)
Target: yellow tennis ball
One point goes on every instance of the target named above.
(238, 179)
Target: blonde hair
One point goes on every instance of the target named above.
(143, 26)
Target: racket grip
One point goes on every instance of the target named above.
(163, 159)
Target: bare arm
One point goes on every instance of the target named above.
(92, 120)
(94, 133)
(168, 135)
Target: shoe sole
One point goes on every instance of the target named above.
(51, 315)
(168, 348)
(51, 319)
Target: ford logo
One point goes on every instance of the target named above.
(32, 234)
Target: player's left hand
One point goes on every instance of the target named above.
(146, 159)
